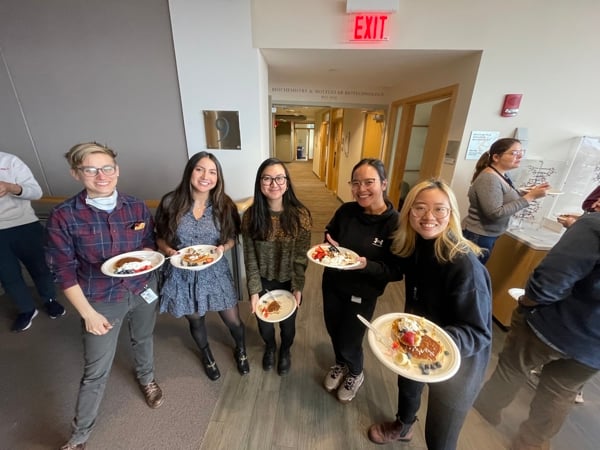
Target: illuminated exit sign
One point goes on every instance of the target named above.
(369, 27)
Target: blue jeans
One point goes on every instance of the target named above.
(24, 244)
(99, 352)
(485, 242)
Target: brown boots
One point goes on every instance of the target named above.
(382, 433)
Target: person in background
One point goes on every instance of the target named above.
(493, 198)
(366, 227)
(590, 204)
(21, 241)
(592, 201)
(82, 233)
(555, 326)
(198, 212)
(276, 238)
(447, 284)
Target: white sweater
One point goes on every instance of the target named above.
(16, 210)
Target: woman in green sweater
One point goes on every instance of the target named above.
(276, 238)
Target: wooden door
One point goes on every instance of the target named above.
(335, 149)
(372, 137)
(435, 143)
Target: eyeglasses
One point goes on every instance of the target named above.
(267, 180)
(439, 212)
(90, 171)
(356, 184)
(515, 152)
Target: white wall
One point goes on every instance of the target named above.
(220, 70)
(546, 50)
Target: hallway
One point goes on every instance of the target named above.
(42, 366)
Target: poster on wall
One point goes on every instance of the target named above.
(222, 130)
(480, 142)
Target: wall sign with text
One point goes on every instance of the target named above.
(369, 27)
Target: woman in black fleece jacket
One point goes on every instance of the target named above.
(366, 227)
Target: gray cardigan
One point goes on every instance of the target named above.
(491, 204)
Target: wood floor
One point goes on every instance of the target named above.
(265, 411)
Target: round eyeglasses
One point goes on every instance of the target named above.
(267, 180)
(439, 212)
(91, 171)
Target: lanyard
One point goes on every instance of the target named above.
(505, 178)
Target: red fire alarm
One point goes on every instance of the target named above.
(511, 105)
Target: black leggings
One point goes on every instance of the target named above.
(231, 318)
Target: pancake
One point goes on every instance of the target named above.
(128, 259)
(274, 306)
(414, 340)
(193, 257)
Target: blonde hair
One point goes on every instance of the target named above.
(449, 244)
(79, 152)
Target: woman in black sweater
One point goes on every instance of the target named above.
(366, 227)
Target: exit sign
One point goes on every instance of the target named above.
(368, 27)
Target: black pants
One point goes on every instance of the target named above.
(287, 327)
(344, 328)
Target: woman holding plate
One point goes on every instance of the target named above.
(82, 233)
(276, 237)
(447, 284)
(364, 226)
(198, 212)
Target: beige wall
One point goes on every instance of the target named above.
(546, 51)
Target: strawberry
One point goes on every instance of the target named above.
(409, 338)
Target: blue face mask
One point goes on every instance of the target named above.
(107, 204)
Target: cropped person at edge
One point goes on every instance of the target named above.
(276, 237)
(198, 211)
(82, 233)
(493, 198)
(366, 227)
(22, 241)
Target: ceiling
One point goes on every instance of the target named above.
(365, 68)
(360, 68)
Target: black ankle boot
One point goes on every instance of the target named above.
(210, 365)
(285, 362)
(241, 360)
(268, 360)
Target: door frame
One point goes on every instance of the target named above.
(395, 158)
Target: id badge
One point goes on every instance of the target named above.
(149, 295)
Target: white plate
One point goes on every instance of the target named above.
(450, 362)
(176, 259)
(516, 292)
(554, 193)
(156, 259)
(353, 257)
(287, 303)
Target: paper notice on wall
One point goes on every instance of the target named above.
(479, 142)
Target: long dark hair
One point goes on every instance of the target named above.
(259, 224)
(176, 203)
(377, 164)
(487, 158)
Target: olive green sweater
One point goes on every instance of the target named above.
(280, 257)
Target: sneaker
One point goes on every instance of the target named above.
(69, 446)
(382, 433)
(54, 309)
(334, 377)
(350, 387)
(153, 394)
(579, 397)
(24, 320)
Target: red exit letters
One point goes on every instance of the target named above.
(370, 27)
